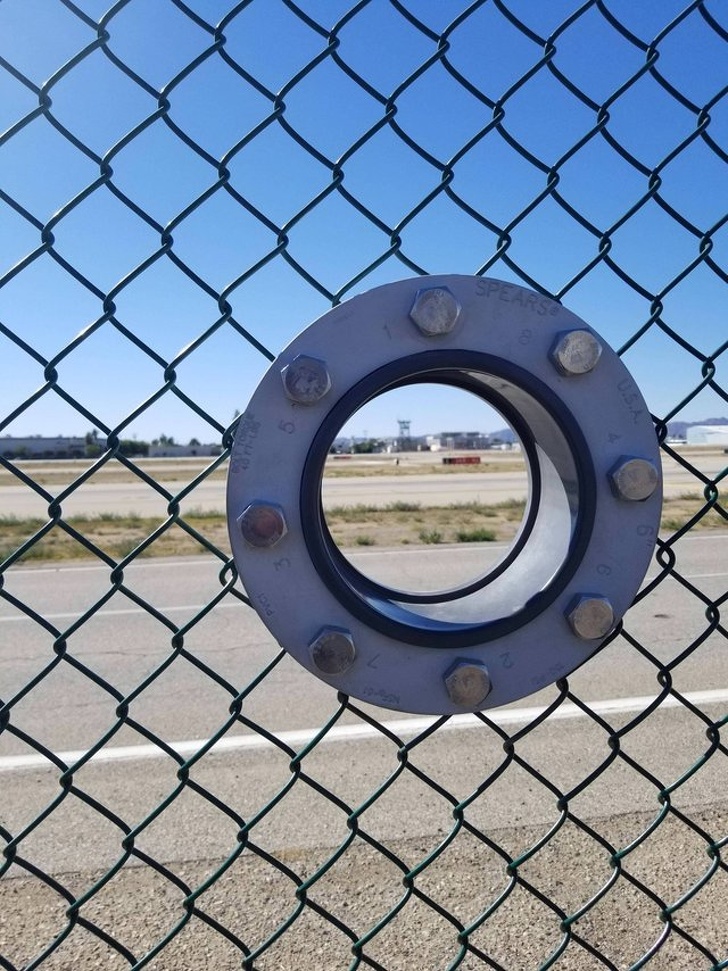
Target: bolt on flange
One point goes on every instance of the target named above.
(332, 650)
(435, 311)
(576, 352)
(634, 479)
(590, 617)
(262, 524)
(467, 683)
(306, 380)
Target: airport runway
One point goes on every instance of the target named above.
(139, 499)
(201, 666)
(136, 498)
(124, 644)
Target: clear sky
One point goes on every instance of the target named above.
(219, 131)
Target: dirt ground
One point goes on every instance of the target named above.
(399, 524)
(403, 923)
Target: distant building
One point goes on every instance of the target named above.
(708, 435)
(39, 447)
(183, 451)
(67, 447)
(457, 440)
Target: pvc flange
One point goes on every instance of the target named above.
(588, 531)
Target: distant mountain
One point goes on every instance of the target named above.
(679, 429)
(506, 435)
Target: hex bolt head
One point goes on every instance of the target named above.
(633, 479)
(332, 650)
(467, 683)
(590, 617)
(435, 311)
(262, 524)
(576, 352)
(306, 380)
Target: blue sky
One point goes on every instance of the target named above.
(188, 127)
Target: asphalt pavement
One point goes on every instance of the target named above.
(98, 496)
(124, 643)
(81, 671)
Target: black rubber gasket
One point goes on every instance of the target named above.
(355, 591)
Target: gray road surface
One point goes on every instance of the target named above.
(124, 644)
(97, 496)
(138, 499)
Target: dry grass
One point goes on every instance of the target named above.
(398, 524)
(386, 465)
(409, 524)
(61, 473)
(110, 535)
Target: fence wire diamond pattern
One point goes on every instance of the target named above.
(184, 186)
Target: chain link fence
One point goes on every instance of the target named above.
(184, 186)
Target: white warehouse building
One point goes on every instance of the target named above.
(708, 435)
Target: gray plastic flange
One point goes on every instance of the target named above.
(588, 533)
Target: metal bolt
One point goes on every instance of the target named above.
(435, 311)
(467, 683)
(634, 479)
(591, 617)
(262, 524)
(306, 379)
(576, 352)
(332, 650)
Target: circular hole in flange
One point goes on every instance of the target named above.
(554, 536)
(426, 489)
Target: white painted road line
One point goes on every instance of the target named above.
(354, 733)
(125, 611)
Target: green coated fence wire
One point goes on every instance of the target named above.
(185, 185)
